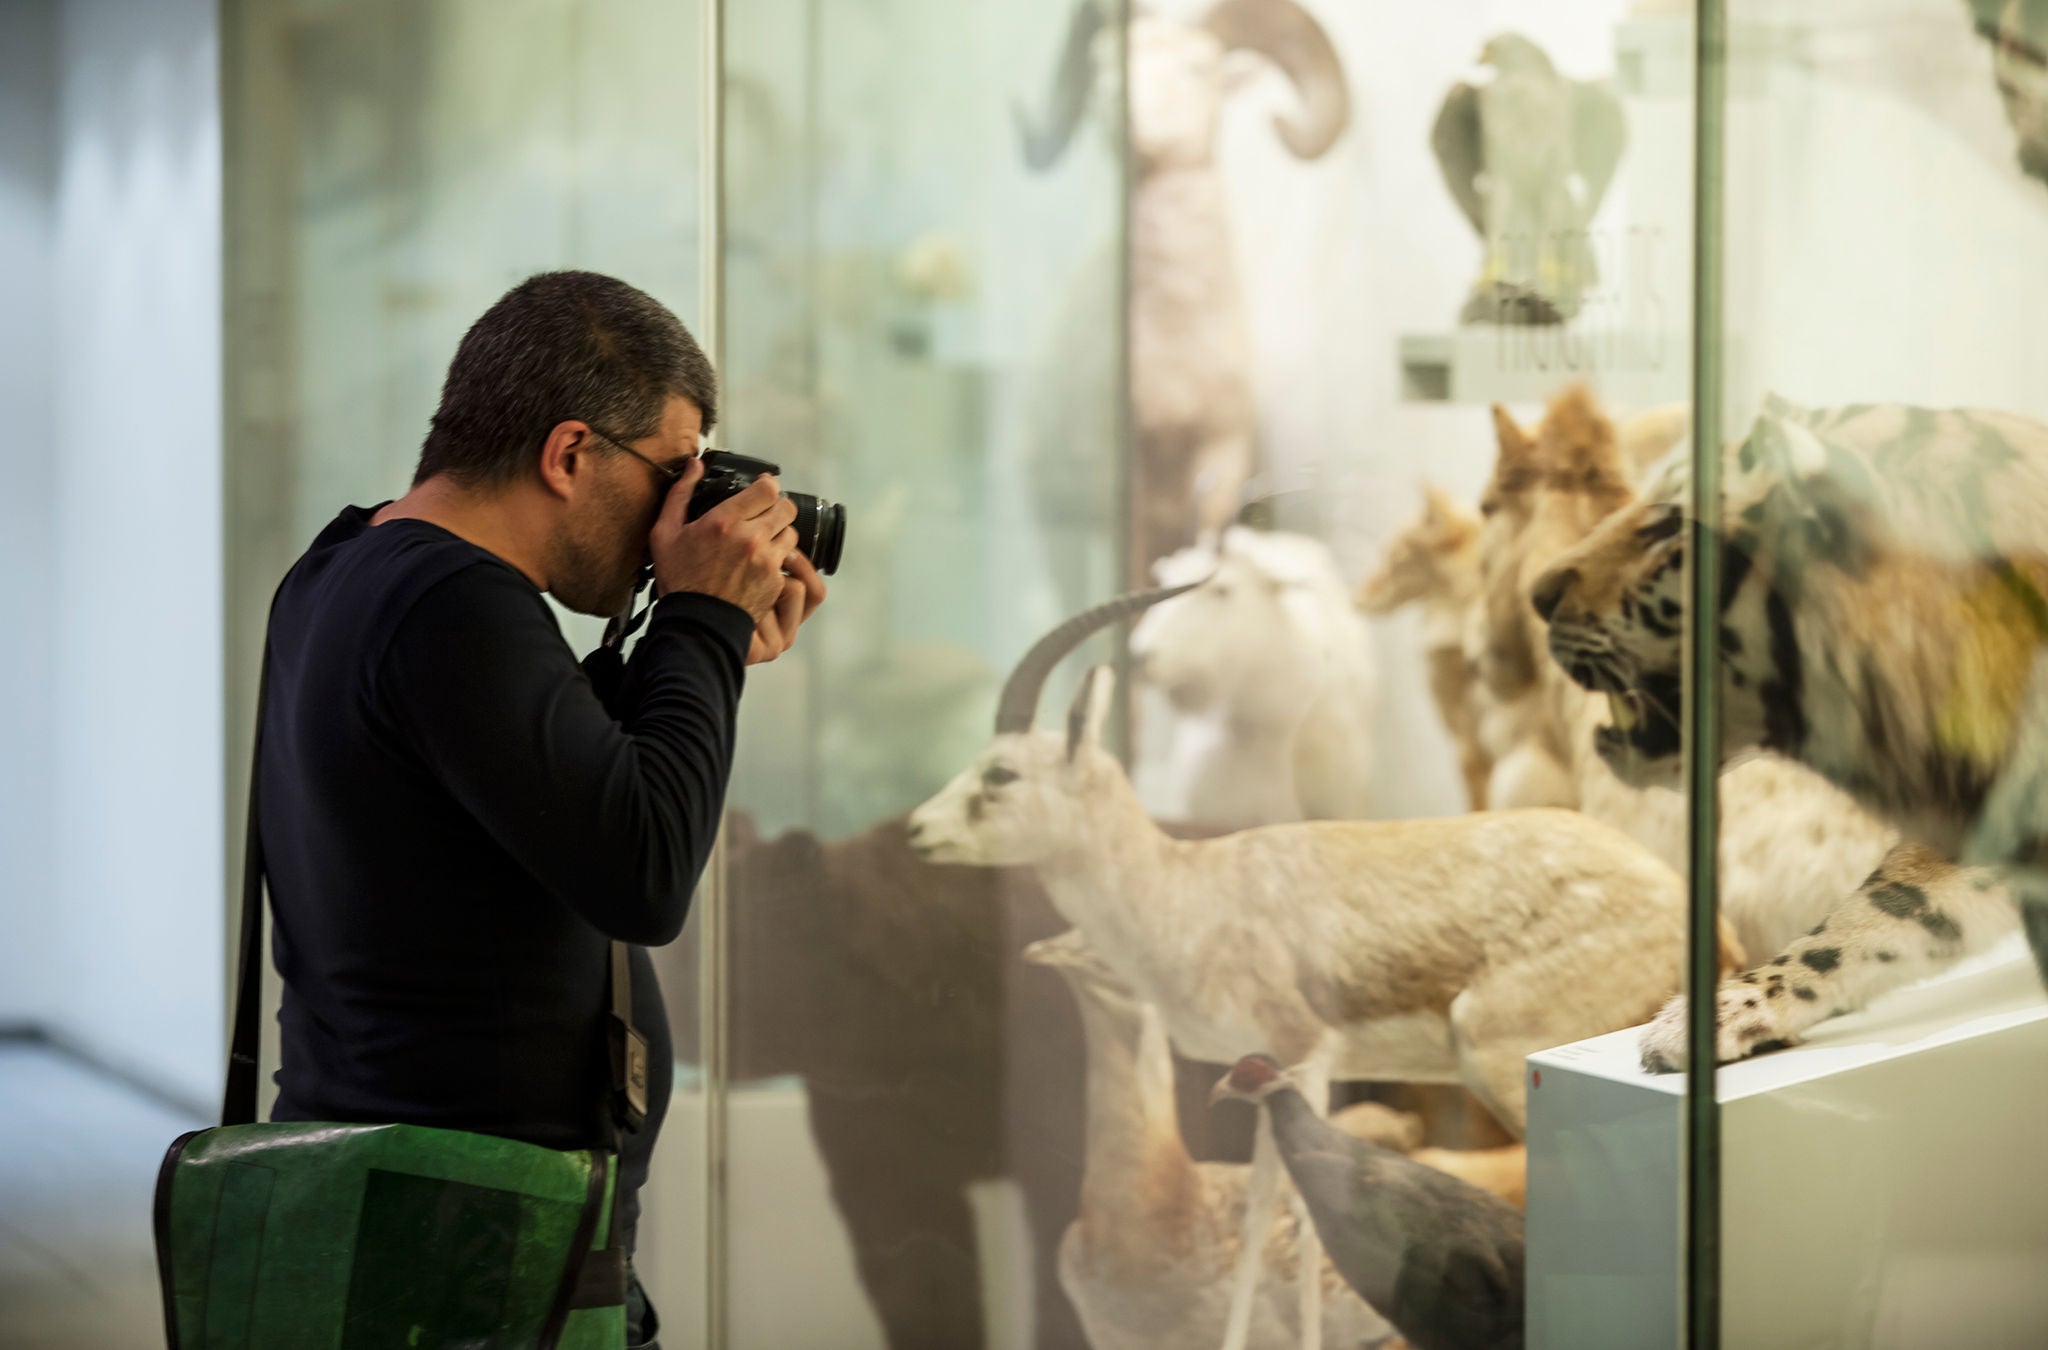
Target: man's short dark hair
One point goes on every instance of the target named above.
(558, 346)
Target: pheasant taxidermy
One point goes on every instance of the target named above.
(1439, 1257)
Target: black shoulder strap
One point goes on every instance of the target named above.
(238, 1106)
(626, 1099)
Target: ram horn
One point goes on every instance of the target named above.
(1072, 84)
(1290, 37)
(1019, 703)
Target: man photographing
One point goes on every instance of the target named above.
(456, 821)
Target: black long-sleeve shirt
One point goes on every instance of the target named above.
(454, 825)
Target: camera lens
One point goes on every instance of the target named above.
(820, 530)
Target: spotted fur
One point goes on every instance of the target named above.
(1883, 619)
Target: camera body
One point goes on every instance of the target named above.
(820, 525)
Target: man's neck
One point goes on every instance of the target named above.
(501, 521)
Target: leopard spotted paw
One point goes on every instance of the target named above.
(1746, 1023)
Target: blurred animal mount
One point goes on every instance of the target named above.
(1529, 155)
(1146, 1261)
(1423, 950)
(934, 1060)
(1882, 624)
(1509, 754)
(1267, 674)
(1434, 564)
(1295, 936)
(1551, 490)
(1443, 1260)
(2018, 33)
(1193, 410)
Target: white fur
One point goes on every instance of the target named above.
(1268, 685)
(1468, 942)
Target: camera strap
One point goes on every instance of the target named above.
(625, 623)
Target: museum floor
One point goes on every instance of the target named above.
(78, 1157)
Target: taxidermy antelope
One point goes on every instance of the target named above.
(1145, 1262)
(1423, 950)
(1194, 415)
(1268, 670)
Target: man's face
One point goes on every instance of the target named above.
(602, 540)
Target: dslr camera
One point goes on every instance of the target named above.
(820, 525)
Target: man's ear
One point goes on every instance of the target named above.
(1090, 709)
(564, 456)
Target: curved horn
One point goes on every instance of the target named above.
(1043, 145)
(1287, 34)
(1020, 692)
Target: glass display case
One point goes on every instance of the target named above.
(1284, 614)
(1071, 302)
(1884, 205)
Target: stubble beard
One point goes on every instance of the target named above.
(596, 565)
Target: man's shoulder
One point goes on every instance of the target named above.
(362, 583)
(403, 558)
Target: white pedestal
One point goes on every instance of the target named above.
(1884, 1185)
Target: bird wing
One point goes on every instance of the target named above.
(1599, 132)
(1459, 153)
(1436, 1256)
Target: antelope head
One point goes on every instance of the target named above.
(1033, 794)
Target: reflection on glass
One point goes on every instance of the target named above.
(1880, 683)
(393, 167)
(1067, 303)
(1373, 333)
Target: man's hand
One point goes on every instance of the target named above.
(803, 590)
(736, 551)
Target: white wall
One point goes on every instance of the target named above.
(1883, 245)
(28, 101)
(113, 910)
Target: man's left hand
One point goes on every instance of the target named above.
(803, 590)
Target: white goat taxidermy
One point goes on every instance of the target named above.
(1268, 672)
(1433, 951)
(1194, 414)
(1157, 1233)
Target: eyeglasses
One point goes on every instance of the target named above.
(670, 477)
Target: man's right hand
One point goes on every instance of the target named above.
(735, 551)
